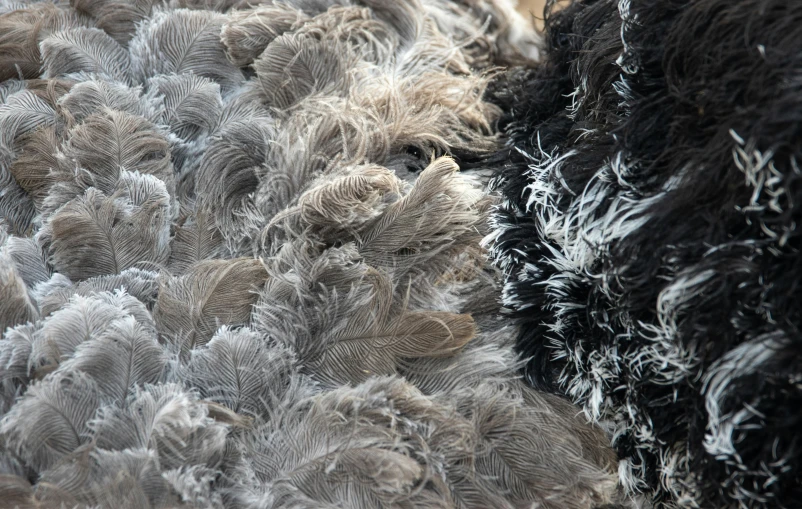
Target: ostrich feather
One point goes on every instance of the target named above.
(22, 30)
(293, 67)
(364, 332)
(191, 104)
(21, 113)
(118, 18)
(140, 284)
(165, 419)
(124, 356)
(344, 204)
(88, 50)
(401, 237)
(95, 234)
(183, 41)
(197, 238)
(28, 259)
(108, 142)
(247, 32)
(211, 293)
(228, 174)
(97, 96)
(16, 306)
(240, 370)
(98, 478)
(373, 40)
(49, 422)
(36, 161)
(84, 318)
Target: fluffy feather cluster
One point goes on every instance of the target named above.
(650, 238)
(238, 268)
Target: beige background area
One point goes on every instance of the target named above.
(535, 6)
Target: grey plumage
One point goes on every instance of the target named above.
(240, 265)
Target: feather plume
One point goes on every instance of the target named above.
(183, 41)
(242, 371)
(197, 238)
(339, 205)
(118, 18)
(82, 319)
(211, 293)
(22, 112)
(88, 50)
(96, 96)
(373, 40)
(36, 162)
(248, 32)
(141, 284)
(28, 259)
(228, 175)
(165, 419)
(124, 356)
(338, 449)
(15, 352)
(362, 332)
(293, 67)
(191, 104)
(108, 142)
(403, 236)
(95, 235)
(191, 107)
(405, 16)
(92, 477)
(16, 306)
(49, 422)
(22, 30)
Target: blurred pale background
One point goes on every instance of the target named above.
(535, 6)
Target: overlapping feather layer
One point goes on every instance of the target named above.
(650, 237)
(238, 266)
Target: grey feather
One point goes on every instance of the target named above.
(36, 162)
(88, 50)
(242, 371)
(248, 32)
(294, 66)
(197, 238)
(340, 318)
(229, 174)
(49, 422)
(118, 18)
(21, 31)
(16, 305)
(92, 477)
(95, 235)
(108, 142)
(167, 420)
(97, 96)
(183, 41)
(211, 293)
(124, 356)
(84, 318)
(141, 284)
(28, 258)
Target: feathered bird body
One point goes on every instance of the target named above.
(239, 265)
(649, 233)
